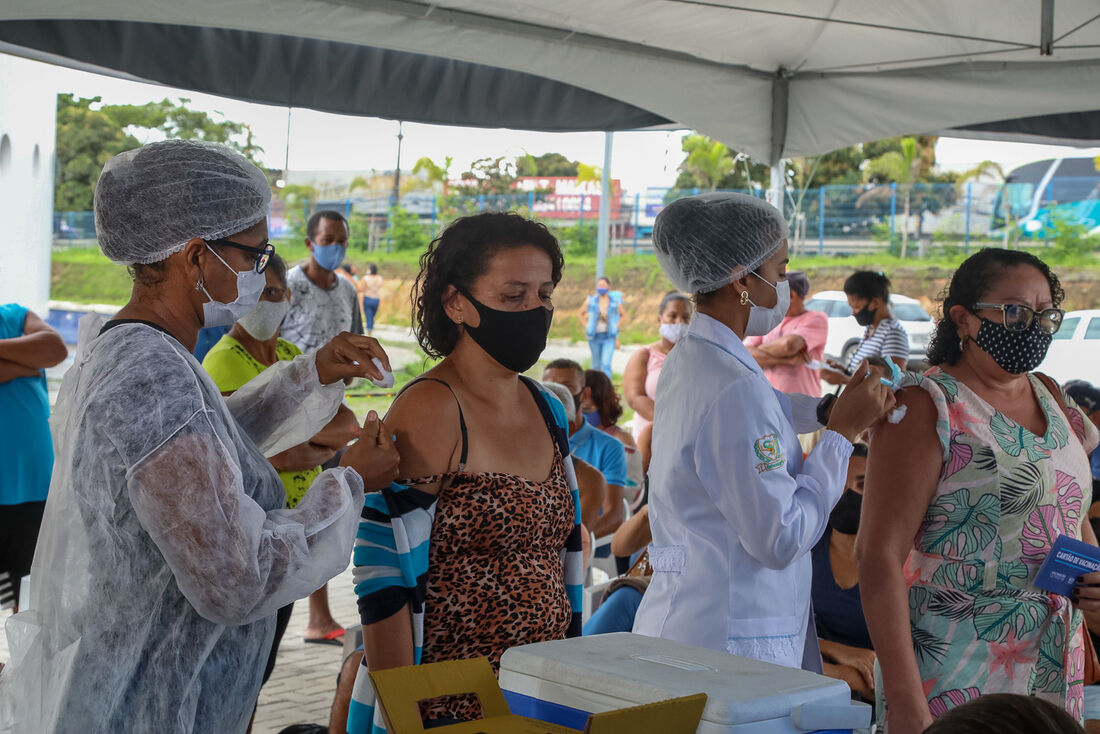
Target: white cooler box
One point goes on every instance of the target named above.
(564, 681)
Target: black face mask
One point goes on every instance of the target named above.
(845, 516)
(577, 401)
(865, 316)
(515, 339)
(1015, 352)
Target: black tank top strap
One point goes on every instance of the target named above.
(461, 417)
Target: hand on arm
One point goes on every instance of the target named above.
(857, 658)
(865, 402)
(340, 430)
(902, 474)
(39, 347)
(13, 370)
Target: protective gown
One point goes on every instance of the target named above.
(164, 552)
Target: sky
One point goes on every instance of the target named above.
(323, 141)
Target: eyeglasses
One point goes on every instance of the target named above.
(1019, 318)
(263, 254)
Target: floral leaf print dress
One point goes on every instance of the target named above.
(979, 624)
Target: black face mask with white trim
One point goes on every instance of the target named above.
(1015, 352)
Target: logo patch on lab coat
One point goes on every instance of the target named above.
(769, 452)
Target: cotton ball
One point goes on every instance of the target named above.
(897, 414)
(387, 376)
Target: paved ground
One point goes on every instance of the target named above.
(304, 680)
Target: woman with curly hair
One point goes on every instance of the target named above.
(963, 500)
(478, 548)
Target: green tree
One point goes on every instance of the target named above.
(489, 176)
(298, 202)
(901, 167)
(707, 161)
(89, 133)
(86, 139)
(436, 174)
(552, 165)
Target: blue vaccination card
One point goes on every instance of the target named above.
(1068, 559)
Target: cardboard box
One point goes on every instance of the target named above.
(401, 689)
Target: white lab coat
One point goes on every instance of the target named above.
(733, 508)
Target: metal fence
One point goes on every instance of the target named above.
(826, 219)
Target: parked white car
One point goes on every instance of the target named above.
(1074, 352)
(845, 333)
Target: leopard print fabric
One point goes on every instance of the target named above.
(495, 575)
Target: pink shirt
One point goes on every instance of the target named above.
(813, 327)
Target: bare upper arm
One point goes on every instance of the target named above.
(33, 323)
(634, 374)
(425, 420)
(903, 470)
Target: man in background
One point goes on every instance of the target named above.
(322, 304)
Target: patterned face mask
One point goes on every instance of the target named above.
(1014, 352)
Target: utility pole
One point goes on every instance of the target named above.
(397, 171)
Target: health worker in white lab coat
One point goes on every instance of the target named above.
(734, 509)
(165, 548)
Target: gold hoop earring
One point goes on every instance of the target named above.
(744, 297)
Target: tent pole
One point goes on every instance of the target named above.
(605, 206)
(776, 185)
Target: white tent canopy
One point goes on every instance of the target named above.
(771, 78)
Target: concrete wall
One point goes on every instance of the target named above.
(28, 111)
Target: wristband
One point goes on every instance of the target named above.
(823, 407)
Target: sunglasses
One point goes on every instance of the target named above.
(263, 254)
(1017, 317)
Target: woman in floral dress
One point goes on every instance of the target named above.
(964, 498)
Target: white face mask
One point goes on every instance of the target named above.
(673, 332)
(763, 320)
(250, 285)
(263, 321)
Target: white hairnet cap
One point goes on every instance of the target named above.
(151, 200)
(705, 242)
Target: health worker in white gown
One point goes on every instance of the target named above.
(734, 510)
(165, 549)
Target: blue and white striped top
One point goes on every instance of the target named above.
(889, 339)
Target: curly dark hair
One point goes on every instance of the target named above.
(868, 284)
(978, 275)
(604, 396)
(458, 257)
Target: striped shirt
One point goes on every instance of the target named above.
(887, 340)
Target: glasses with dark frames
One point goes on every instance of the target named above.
(263, 254)
(1017, 317)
